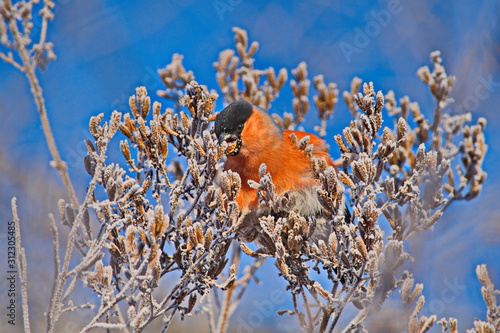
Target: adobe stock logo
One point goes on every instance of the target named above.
(37, 19)
(363, 37)
(448, 295)
(223, 6)
(265, 309)
(481, 92)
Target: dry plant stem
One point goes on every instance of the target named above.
(8, 59)
(225, 311)
(310, 327)
(437, 118)
(58, 288)
(57, 264)
(28, 68)
(43, 32)
(21, 259)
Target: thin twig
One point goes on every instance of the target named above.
(226, 306)
(10, 60)
(36, 90)
(308, 311)
(57, 263)
(57, 296)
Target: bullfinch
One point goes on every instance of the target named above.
(253, 138)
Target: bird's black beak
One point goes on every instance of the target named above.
(233, 143)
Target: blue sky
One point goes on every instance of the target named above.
(107, 48)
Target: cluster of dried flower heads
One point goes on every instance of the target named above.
(168, 212)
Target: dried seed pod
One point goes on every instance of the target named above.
(131, 244)
(107, 276)
(405, 291)
(133, 107)
(332, 244)
(434, 218)
(340, 142)
(248, 251)
(282, 78)
(129, 123)
(424, 74)
(114, 123)
(195, 172)
(143, 128)
(163, 147)
(387, 135)
(192, 236)
(61, 205)
(356, 135)
(125, 149)
(402, 127)
(389, 185)
(99, 272)
(319, 289)
(156, 109)
(208, 238)
(231, 184)
(90, 147)
(483, 276)
(94, 127)
(419, 287)
(360, 171)
(432, 162)
(371, 213)
(147, 182)
(283, 268)
(155, 132)
(125, 131)
(421, 160)
(362, 247)
(188, 222)
(346, 180)
(379, 169)
(323, 248)
(166, 127)
(199, 233)
(140, 143)
(419, 305)
(143, 100)
(271, 76)
(191, 302)
(367, 124)
(161, 221)
(252, 49)
(185, 121)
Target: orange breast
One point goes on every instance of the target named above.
(289, 167)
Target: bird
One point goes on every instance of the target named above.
(253, 138)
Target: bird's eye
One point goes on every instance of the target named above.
(240, 127)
